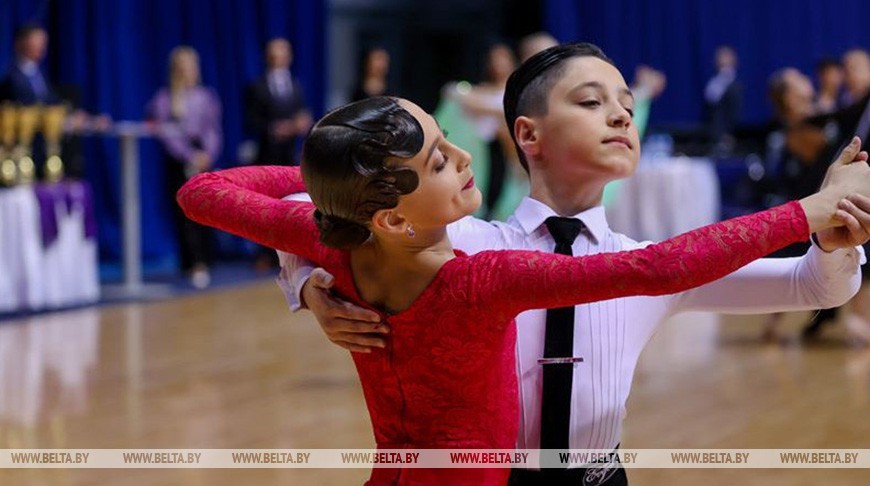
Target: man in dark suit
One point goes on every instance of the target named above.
(25, 84)
(723, 100)
(276, 112)
(275, 108)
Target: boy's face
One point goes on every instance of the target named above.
(587, 131)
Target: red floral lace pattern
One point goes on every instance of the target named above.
(448, 375)
(530, 280)
(247, 202)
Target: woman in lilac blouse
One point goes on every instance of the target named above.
(188, 117)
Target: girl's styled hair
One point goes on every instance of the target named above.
(347, 168)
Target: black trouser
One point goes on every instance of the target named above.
(193, 238)
(497, 171)
(568, 477)
(607, 474)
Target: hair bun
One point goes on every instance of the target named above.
(341, 233)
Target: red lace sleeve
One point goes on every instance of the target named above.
(515, 281)
(247, 202)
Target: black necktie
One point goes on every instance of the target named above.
(558, 343)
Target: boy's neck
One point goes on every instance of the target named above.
(566, 197)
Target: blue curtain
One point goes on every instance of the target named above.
(116, 51)
(679, 37)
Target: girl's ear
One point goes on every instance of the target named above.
(389, 221)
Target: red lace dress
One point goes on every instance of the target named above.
(447, 378)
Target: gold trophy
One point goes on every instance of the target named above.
(52, 130)
(8, 169)
(28, 118)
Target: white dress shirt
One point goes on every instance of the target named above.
(718, 84)
(610, 335)
(280, 83)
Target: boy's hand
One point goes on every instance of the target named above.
(351, 327)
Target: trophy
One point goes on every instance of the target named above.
(28, 118)
(52, 130)
(8, 169)
(18, 126)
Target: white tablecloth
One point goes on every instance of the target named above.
(38, 273)
(666, 197)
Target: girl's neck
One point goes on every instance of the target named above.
(390, 273)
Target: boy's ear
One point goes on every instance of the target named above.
(389, 221)
(527, 135)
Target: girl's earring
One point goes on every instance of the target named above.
(411, 232)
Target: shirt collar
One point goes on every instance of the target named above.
(278, 73)
(532, 213)
(28, 66)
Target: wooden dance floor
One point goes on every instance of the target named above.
(234, 369)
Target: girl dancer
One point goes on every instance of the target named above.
(385, 182)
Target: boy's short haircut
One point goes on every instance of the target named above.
(529, 86)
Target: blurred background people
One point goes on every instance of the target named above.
(790, 169)
(188, 121)
(374, 69)
(276, 112)
(483, 104)
(25, 83)
(808, 141)
(856, 70)
(791, 163)
(829, 74)
(275, 108)
(535, 43)
(647, 86)
(723, 100)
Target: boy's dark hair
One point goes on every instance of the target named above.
(344, 164)
(529, 86)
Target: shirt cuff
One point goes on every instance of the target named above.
(838, 262)
(291, 279)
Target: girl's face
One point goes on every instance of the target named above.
(587, 131)
(446, 190)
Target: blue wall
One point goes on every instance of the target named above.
(680, 37)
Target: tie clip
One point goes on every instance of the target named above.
(565, 360)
